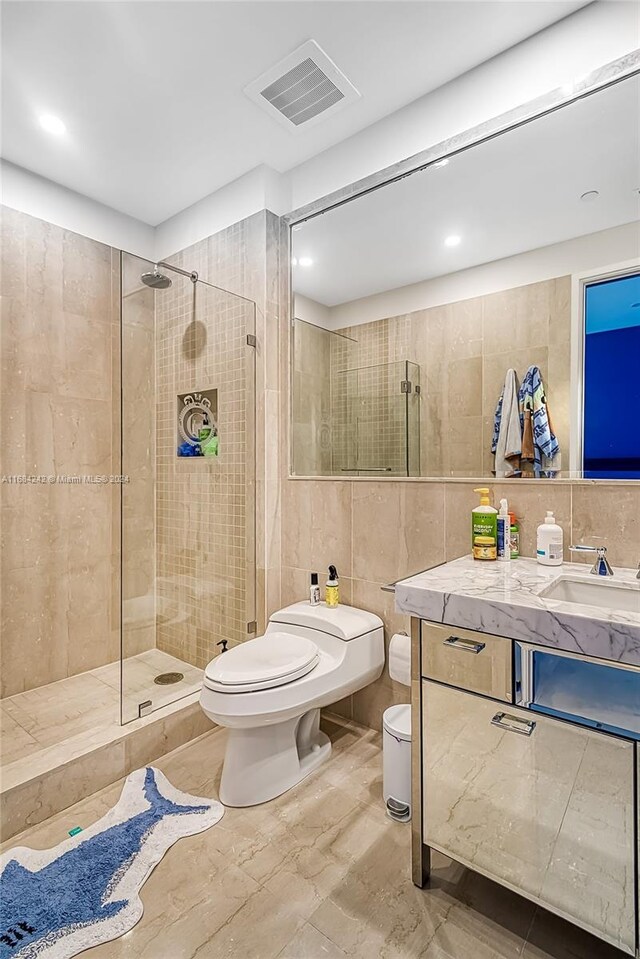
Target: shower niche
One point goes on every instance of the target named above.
(197, 423)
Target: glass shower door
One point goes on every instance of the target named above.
(188, 501)
(380, 427)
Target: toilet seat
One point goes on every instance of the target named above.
(263, 663)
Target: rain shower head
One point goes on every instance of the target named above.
(156, 280)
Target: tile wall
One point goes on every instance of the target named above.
(463, 351)
(204, 505)
(245, 259)
(378, 532)
(60, 395)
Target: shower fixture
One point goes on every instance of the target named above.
(157, 280)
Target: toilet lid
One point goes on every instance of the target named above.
(262, 663)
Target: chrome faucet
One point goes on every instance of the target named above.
(601, 567)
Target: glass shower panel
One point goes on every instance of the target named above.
(188, 503)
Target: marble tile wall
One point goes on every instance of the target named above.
(60, 395)
(378, 532)
(463, 350)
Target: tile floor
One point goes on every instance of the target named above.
(319, 873)
(40, 718)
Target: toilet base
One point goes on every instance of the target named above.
(263, 763)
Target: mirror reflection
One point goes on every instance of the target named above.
(480, 317)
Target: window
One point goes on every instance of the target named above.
(611, 436)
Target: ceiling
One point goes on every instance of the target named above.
(517, 192)
(151, 92)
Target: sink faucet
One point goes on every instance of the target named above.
(601, 567)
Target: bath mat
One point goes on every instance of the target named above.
(55, 903)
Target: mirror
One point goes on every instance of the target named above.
(481, 316)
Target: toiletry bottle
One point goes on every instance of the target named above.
(483, 527)
(514, 536)
(549, 542)
(332, 592)
(314, 591)
(503, 526)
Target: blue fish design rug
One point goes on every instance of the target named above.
(55, 903)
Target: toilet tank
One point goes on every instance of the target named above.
(343, 622)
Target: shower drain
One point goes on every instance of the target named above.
(167, 679)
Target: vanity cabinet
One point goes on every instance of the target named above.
(544, 806)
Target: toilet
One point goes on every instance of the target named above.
(268, 693)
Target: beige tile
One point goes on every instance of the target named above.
(317, 528)
(530, 502)
(608, 514)
(38, 799)
(398, 529)
(308, 943)
(518, 317)
(465, 387)
(15, 741)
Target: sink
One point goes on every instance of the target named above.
(598, 591)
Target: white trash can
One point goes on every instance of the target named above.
(396, 761)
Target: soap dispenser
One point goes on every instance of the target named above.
(549, 542)
(332, 591)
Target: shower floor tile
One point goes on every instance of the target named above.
(90, 702)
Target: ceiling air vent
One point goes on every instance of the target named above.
(303, 88)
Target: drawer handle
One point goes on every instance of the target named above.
(467, 644)
(513, 724)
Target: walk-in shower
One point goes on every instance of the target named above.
(128, 506)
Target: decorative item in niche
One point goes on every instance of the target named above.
(197, 415)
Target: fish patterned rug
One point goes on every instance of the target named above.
(55, 903)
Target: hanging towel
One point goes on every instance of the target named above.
(507, 434)
(540, 447)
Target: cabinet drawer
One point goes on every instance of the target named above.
(461, 657)
(541, 805)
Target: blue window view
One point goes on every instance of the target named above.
(612, 379)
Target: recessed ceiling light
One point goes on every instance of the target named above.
(305, 261)
(442, 162)
(52, 124)
(589, 196)
(453, 240)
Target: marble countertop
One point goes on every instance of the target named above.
(504, 599)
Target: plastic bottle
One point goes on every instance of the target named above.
(484, 527)
(514, 536)
(549, 542)
(503, 527)
(332, 591)
(314, 591)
